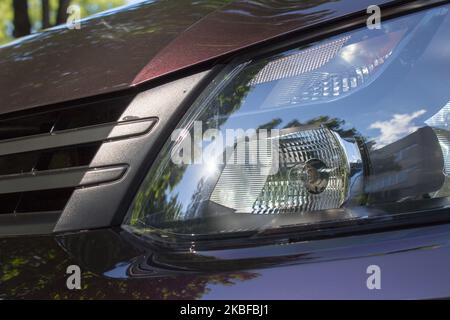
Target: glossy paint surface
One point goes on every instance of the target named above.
(242, 24)
(414, 265)
(104, 55)
(120, 48)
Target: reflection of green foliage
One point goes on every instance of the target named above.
(271, 124)
(88, 7)
(153, 198)
(6, 24)
(334, 124)
(35, 268)
(293, 124)
(232, 97)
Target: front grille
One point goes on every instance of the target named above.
(46, 156)
(77, 167)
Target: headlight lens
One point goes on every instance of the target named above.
(352, 128)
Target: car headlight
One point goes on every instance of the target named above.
(353, 129)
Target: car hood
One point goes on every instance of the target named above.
(124, 47)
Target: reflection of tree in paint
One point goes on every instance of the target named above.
(28, 16)
(36, 268)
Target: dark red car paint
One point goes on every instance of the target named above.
(414, 265)
(113, 51)
(243, 24)
(105, 55)
(39, 71)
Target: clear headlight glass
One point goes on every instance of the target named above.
(350, 129)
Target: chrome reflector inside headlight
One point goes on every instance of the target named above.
(310, 173)
(350, 129)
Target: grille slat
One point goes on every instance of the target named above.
(105, 132)
(102, 134)
(46, 155)
(60, 178)
(32, 222)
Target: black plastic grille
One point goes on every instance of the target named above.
(20, 170)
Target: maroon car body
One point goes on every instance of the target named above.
(145, 43)
(125, 47)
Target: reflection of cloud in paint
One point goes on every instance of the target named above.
(395, 128)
